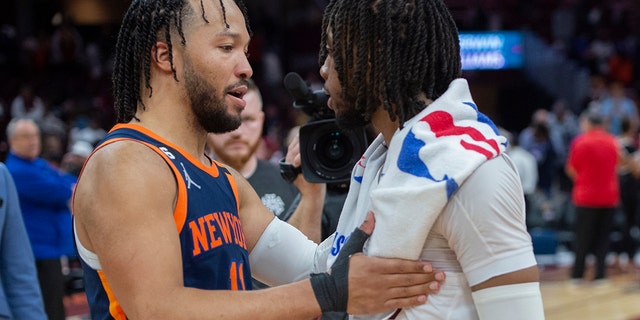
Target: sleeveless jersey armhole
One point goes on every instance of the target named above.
(180, 211)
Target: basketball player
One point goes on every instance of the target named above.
(165, 232)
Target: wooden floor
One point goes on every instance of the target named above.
(617, 298)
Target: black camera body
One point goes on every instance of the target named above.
(328, 152)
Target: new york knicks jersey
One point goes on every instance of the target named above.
(214, 251)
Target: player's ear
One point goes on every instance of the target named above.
(161, 57)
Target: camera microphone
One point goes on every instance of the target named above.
(328, 153)
(298, 88)
(313, 103)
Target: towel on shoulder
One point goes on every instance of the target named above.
(425, 163)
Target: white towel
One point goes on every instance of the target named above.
(424, 165)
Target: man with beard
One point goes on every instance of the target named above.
(165, 232)
(437, 177)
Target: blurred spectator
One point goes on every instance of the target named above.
(592, 164)
(87, 128)
(67, 45)
(44, 194)
(548, 137)
(52, 123)
(536, 139)
(73, 160)
(564, 127)
(528, 172)
(618, 105)
(27, 104)
(52, 149)
(526, 137)
(20, 296)
(599, 51)
(628, 196)
(597, 91)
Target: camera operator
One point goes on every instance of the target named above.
(334, 199)
(328, 152)
(324, 153)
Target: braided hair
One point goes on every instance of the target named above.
(390, 51)
(146, 22)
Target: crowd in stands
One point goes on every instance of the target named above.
(66, 67)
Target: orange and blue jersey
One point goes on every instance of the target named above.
(214, 250)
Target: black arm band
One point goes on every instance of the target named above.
(332, 290)
(288, 171)
(329, 297)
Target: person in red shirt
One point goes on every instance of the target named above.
(592, 163)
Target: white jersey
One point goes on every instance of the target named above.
(480, 234)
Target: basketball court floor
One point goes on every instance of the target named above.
(617, 298)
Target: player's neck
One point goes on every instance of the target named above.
(383, 124)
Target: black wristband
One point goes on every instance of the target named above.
(327, 293)
(288, 171)
(332, 290)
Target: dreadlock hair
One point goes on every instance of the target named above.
(145, 22)
(391, 51)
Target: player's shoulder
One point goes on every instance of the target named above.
(491, 195)
(495, 167)
(492, 177)
(124, 157)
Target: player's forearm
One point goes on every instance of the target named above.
(294, 301)
(308, 215)
(382, 285)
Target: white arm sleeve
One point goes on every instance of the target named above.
(521, 301)
(283, 254)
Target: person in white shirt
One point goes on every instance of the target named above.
(437, 178)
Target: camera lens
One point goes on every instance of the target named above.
(328, 153)
(334, 150)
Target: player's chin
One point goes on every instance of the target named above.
(236, 149)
